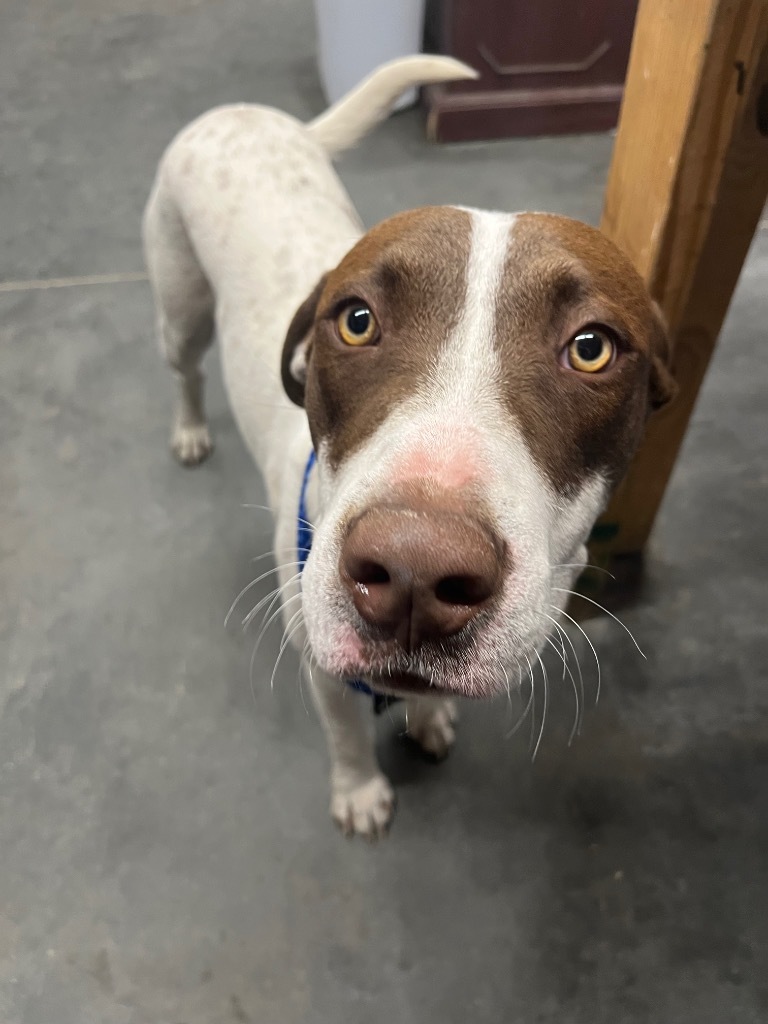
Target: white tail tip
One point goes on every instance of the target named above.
(354, 115)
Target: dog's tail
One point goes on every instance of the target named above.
(354, 115)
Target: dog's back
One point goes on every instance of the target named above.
(245, 215)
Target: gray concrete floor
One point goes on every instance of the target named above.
(165, 851)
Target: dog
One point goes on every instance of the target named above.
(440, 408)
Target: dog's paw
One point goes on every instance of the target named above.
(191, 444)
(430, 724)
(364, 810)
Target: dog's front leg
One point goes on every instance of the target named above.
(429, 721)
(362, 801)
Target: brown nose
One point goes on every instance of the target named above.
(417, 575)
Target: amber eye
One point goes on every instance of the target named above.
(356, 325)
(591, 350)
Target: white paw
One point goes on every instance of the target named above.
(431, 726)
(191, 444)
(364, 810)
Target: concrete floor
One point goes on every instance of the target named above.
(165, 852)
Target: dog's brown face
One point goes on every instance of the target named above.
(475, 384)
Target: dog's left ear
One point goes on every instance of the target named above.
(663, 386)
(297, 347)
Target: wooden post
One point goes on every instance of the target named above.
(685, 193)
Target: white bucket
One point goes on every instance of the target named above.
(355, 36)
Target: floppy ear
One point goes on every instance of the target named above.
(663, 386)
(297, 346)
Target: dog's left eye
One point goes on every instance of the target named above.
(591, 350)
(356, 325)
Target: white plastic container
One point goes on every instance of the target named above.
(355, 36)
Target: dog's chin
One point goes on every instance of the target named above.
(388, 669)
(403, 683)
(412, 684)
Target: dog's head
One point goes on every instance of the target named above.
(475, 385)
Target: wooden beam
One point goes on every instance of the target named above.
(685, 193)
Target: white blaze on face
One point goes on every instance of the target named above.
(458, 430)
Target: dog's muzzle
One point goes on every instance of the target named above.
(416, 575)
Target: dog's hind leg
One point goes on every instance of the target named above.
(184, 305)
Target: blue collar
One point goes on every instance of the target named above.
(303, 547)
(303, 525)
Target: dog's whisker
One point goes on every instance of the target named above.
(276, 613)
(507, 685)
(274, 593)
(578, 694)
(273, 597)
(544, 707)
(244, 591)
(310, 658)
(533, 711)
(523, 716)
(300, 675)
(266, 508)
(261, 635)
(285, 548)
(564, 635)
(258, 508)
(265, 627)
(567, 669)
(529, 703)
(258, 642)
(580, 700)
(597, 604)
(524, 713)
(288, 633)
(252, 584)
(591, 645)
(583, 565)
(564, 656)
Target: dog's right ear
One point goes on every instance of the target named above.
(297, 347)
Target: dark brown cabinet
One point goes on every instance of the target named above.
(547, 67)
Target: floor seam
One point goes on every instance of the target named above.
(86, 280)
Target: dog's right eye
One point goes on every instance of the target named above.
(593, 349)
(356, 325)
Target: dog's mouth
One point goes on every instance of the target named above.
(450, 667)
(425, 676)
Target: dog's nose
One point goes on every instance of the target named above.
(419, 575)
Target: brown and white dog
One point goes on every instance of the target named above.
(473, 384)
